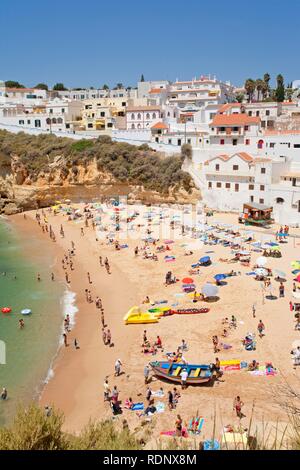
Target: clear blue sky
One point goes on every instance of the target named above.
(89, 43)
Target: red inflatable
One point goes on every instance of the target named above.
(6, 310)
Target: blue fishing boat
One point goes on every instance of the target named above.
(197, 373)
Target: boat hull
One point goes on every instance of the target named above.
(169, 371)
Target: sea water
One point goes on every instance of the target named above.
(30, 351)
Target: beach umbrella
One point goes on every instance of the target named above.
(205, 259)
(261, 261)
(187, 280)
(261, 272)
(280, 273)
(297, 278)
(295, 264)
(275, 248)
(220, 277)
(209, 290)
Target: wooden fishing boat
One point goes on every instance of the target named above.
(197, 374)
(188, 311)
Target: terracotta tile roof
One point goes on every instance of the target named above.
(234, 120)
(24, 90)
(261, 160)
(156, 90)
(160, 125)
(243, 155)
(227, 106)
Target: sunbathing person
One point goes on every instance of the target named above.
(253, 365)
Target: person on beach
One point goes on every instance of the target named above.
(178, 426)
(237, 407)
(104, 336)
(89, 278)
(100, 261)
(184, 376)
(217, 368)
(81, 232)
(158, 342)
(136, 251)
(76, 345)
(108, 338)
(102, 319)
(149, 395)
(146, 373)
(106, 390)
(21, 324)
(107, 266)
(253, 311)
(52, 276)
(176, 396)
(261, 329)
(170, 400)
(118, 364)
(65, 339)
(67, 278)
(4, 394)
(281, 290)
(215, 344)
(38, 277)
(115, 395)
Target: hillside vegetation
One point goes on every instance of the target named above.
(126, 163)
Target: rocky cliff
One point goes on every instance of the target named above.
(20, 189)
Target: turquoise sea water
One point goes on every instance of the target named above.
(29, 352)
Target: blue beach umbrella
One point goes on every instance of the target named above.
(220, 277)
(205, 259)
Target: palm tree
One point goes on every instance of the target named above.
(250, 85)
(259, 87)
(266, 86)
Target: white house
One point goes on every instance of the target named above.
(142, 117)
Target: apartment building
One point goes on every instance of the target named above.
(142, 117)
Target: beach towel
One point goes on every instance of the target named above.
(252, 273)
(184, 433)
(211, 445)
(199, 422)
(137, 406)
(158, 393)
(160, 407)
(158, 302)
(123, 246)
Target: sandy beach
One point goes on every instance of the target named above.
(77, 385)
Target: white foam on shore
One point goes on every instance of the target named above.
(69, 307)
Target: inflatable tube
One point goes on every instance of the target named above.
(6, 310)
(187, 311)
(26, 311)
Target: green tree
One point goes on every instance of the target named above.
(119, 86)
(280, 91)
(250, 86)
(142, 78)
(59, 87)
(13, 84)
(240, 97)
(105, 87)
(289, 93)
(41, 86)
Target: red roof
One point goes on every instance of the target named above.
(243, 155)
(227, 106)
(234, 120)
(160, 125)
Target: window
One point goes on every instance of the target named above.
(279, 200)
(235, 167)
(153, 115)
(222, 129)
(53, 120)
(235, 129)
(147, 116)
(138, 126)
(222, 141)
(257, 113)
(90, 125)
(263, 171)
(189, 141)
(132, 116)
(209, 185)
(63, 110)
(272, 145)
(219, 185)
(217, 167)
(179, 142)
(260, 144)
(139, 116)
(234, 141)
(169, 141)
(59, 121)
(227, 185)
(251, 187)
(123, 103)
(102, 114)
(51, 111)
(37, 123)
(132, 126)
(21, 122)
(109, 124)
(267, 112)
(251, 198)
(236, 187)
(28, 121)
(261, 201)
(246, 128)
(250, 113)
(296, 146)
(262, 187)
(48, 121)
(247, 141)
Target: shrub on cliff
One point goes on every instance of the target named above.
(32, 429)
